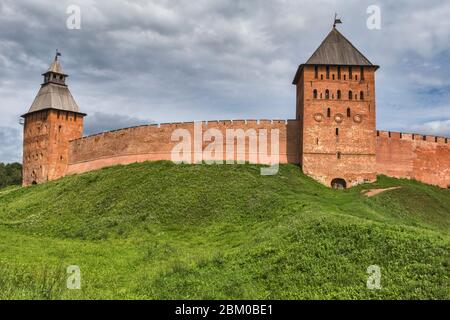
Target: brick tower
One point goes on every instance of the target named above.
(336, 106)
(51, 122)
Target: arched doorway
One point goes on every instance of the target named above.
(338, 183)
(34, 182)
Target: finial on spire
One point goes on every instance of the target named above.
(336, 20)
(55, 66)
(58, 54)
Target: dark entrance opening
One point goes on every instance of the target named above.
(34, 182)
(338, 183)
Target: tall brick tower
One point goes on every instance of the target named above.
(336, 106)
(51, 122)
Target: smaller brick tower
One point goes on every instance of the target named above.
(51, 122)
(336, 108)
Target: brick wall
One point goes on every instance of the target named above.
(153, 142)
(414, 156)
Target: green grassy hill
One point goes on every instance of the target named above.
(164, 231)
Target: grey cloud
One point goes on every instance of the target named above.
(10, 145)
(101, 122)
(438, 127)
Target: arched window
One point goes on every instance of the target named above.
(321, 77)
(337, 132)
(348, 113)
(339, 72)
(350, 95)
(339, 94)
(345, 77)
(350, 73)
(328, 71)
(362, 73)
(328, 112)
(339, 155)
(327, 94)
(316, 72)
(361, 95)
(315, 93)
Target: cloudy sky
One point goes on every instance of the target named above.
(135, 62)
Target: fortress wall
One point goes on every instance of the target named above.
(154, 142)
(414, 156)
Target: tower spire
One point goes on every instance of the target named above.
(55, 72)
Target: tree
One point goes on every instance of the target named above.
(10, 174)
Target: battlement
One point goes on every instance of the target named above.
(154, 142)
(414, 156)
(205, 124)
(412, 136)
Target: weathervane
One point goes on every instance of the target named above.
(336, 20)
(58, 54)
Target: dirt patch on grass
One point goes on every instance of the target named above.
(374, 192)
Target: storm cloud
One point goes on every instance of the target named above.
(134, 62)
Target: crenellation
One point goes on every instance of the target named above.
(441, 140)
(411, 136)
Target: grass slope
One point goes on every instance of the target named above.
(164, 231)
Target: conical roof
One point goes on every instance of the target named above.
(54, 96)
(337, 50)
(56, 67)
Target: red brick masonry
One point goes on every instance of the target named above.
(400, 155)
(153, 142)
(414, 156)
